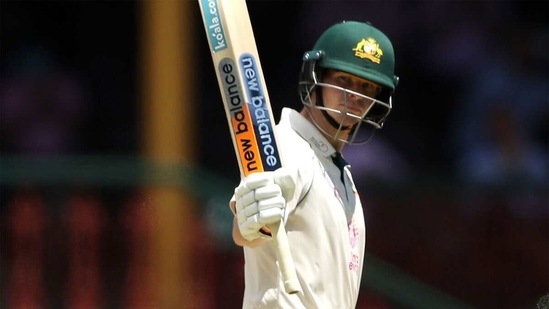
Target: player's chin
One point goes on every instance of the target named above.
(348, 119)
(347, 122)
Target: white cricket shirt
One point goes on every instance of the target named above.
(325, 226)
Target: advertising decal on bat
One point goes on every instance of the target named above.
(260, 113)
(214, 27)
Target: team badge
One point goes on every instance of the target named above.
(369, 49)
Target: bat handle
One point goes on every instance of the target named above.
(284, 257)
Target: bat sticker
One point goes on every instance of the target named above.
(213, 25)
(260, 113)
(241, 121)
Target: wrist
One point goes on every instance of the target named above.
(265, 232)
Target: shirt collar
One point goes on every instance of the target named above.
(308, 131)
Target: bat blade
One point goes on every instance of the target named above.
(247, 105)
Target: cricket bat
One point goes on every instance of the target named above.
(247, 105)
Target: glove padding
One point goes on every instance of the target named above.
(261, 200)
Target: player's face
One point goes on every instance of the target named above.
(354, 96)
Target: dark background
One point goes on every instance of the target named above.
(455, 186)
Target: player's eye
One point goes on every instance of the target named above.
(343, 80)
(371, 89)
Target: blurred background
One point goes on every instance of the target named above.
(116, 165)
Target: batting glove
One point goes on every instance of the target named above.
(261, 200)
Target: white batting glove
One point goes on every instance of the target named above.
(261, 200)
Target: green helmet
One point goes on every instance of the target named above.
(359, 49)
